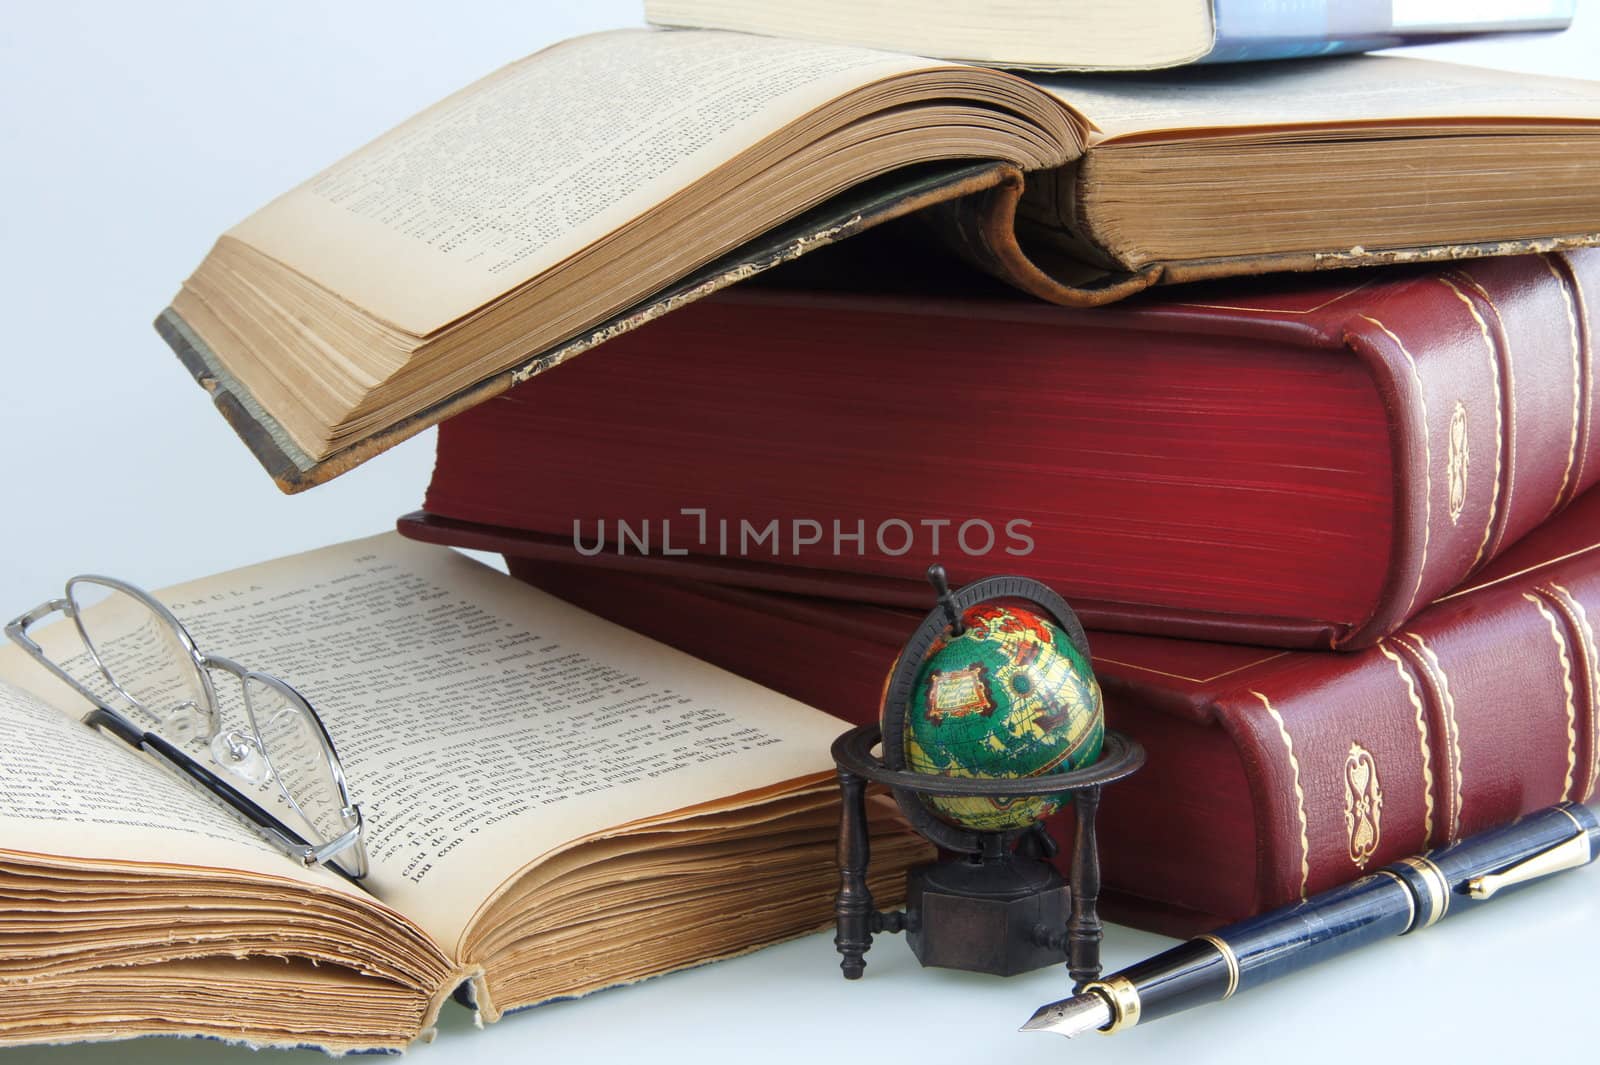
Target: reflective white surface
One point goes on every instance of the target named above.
(132, 134)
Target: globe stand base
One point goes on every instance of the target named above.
(988, 915)
(957, 905)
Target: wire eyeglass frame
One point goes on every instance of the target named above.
(344, 852)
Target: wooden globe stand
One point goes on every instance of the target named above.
(996, 905)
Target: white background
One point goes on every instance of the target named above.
(131, 135)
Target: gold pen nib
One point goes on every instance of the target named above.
(1071, 1016)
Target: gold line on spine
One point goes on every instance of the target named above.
(1586, 365)
(1572, 606)
(1566, 681)
(1422, 740)
(1452, 730)
(1499, 415)
(1468, 589)
(1299, 793)
(1569, 301)
(1427, 461)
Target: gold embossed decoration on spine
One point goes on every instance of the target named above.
(1363, 804)
(1459, 460)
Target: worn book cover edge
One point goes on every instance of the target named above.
(862, 208)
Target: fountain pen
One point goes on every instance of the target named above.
(1411, 894)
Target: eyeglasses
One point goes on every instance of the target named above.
(270, 743)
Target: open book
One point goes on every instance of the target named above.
(554, 805)
(606, 180)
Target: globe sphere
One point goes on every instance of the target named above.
(1011, 697)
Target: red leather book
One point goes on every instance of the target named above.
(1303, 461)
(1272, 774)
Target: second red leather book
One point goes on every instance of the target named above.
(1302, 461)
(1272, 775)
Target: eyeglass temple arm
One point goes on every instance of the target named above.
(36, 615)
(17, 628)
(17, 633)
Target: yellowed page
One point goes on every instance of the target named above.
(483, 723)
(123, 888)
(1352, 90)
(259, 1003)
(69, 792)
(497, 183)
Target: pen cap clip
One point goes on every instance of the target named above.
(1570, 854)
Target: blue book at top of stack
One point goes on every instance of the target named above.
(1288, 29)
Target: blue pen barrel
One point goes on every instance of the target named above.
(1411, 894)
(1324, 926)
(1274, 944)
(1444, 881)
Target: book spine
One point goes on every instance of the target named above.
(1488, 376)
(1480, 712)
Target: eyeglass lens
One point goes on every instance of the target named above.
(297, 748)
(143, 657)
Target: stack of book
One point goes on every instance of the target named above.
(1280, 372)
(1330, 533)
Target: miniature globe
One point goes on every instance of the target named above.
(1010, 697)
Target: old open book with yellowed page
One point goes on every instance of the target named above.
(554, 805)
(595, 185)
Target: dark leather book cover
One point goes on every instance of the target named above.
(1301, 462)
(1272, 774)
